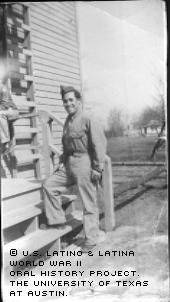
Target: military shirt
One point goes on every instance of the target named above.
(82, 134)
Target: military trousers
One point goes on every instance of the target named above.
(77, 172)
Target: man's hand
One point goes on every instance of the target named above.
(96, 176)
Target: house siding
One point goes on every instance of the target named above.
(55, 57)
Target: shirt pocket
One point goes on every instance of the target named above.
(77, 134)
(79, 140)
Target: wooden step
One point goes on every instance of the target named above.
(25, 132)
(21, 192)
(17, 187)
(28, 160)
(26, 27)
(27, 52)
(21, 101)
(38, 239)
(21, 214)
(28, 198)
(24, 147)
(28, 78)
(23, 84)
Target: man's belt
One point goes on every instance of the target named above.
(76, 153)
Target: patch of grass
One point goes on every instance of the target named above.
(136, 148)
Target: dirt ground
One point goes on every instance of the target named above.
(141, 227)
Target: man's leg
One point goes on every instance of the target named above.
(81, 168)
(90, 210)
(53, 186)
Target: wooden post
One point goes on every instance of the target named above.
(108, 196)
(46, 142)
(52, 154)
(30, 90)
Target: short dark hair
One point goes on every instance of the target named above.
(66, 89)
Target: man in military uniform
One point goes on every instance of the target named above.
(84, 149)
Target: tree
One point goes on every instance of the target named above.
(115, 123)
(148, 114)
(156, 113)
(159, 98)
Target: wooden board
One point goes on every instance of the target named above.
(43, 12)
(22, 122)
(51, 27)
(59, 64)
(53, 89)
(52, 52)
(55, 71)
(54, 76)
(27, 52)
(59, 79)
(27, 174)
(55, 56)
(52, 22)
(18, 215)
(59, 9)
(14, 187)
(26, 160)
(58, 58)
(59, 48)
(54, 97)
(36, 240)
(52, 34)
(59, 12)
(59, 40)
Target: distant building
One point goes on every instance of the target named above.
(151, 128)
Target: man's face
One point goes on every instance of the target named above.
(71, 103)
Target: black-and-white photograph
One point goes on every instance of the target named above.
(83, 139)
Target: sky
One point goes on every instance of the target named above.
(123, 54)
